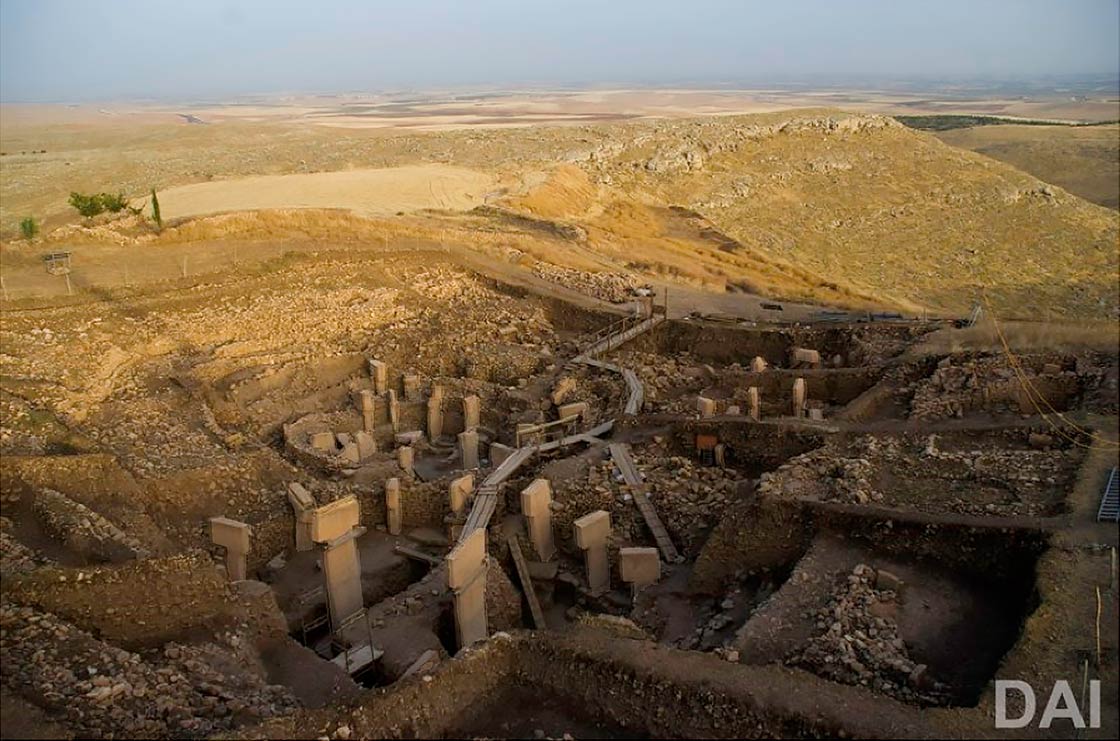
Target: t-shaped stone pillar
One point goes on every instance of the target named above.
(639, 567)
(459, 492)
(466, 577)
(591, 532)
(472, 412)
(367, 446)
(394, 411)
(535, 501)
(435, 413)
(411, 383)
(379, 372)
(303, 504)
(758, 364)
(706, 407)
(799, 398)
(468, 449)
(335, 528)
(234, 537)
(754, 403)
(393, 512)
(406, 456)
(365, 401)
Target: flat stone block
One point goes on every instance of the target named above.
(367, 446)
(499, 452)
(592, 529)
(335, 519)
(230, 534)
(579, 408)
(466, 560)
(323, 441)
(639, 566)
(349, 453)
(299, 497)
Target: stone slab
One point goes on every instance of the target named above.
(467, 560)
(232, 535)
(592, 529)
(336, 519)
(639, 566)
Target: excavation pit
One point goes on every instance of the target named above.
(913, 629)
(756, 526)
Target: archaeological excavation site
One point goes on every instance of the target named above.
(396, 496)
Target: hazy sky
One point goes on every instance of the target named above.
(98, 49)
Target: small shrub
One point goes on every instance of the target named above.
(87, 206)
(98, 203)
(28, 227)
(114, 203)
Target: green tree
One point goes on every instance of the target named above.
(155, 211)
(28, 227)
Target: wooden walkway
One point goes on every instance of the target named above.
(486, 495)
(620, 454)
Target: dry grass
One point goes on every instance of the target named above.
(879, 217)
(1083, 160)
(1021, 336)
(890, 213)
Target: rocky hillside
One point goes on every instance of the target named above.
(813, 205)
(861, 203)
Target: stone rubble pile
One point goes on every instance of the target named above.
(103, 691)
(612, 287)
(689, 498)
(15, 557)
(1009, 479)
(671, 381)
(859, 642)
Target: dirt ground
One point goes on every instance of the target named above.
(380, 192)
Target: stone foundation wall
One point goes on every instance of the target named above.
(270, 537)
(423, 503)
(753, 536)
(660, 692)
(856, 345)
(643, 688)
(775, 386)
(764, 446)
(179, 592)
